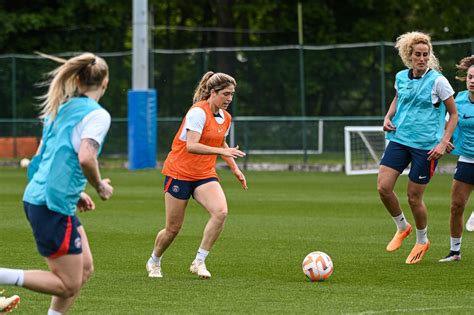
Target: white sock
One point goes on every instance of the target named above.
(400, 221)
(202, 254)
(53, 312)
(422, 236)
(155, 259)
(12, 276)
(456, 244)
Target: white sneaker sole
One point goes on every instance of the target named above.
(152, 275)
(196, 272)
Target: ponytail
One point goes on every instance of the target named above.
(212, 81)
(86, 71)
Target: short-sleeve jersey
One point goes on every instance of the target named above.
(181, 164)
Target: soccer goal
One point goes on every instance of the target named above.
(363, 146)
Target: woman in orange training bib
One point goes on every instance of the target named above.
(190, 169)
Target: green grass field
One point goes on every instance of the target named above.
(256, 264)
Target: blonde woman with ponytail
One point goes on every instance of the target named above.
(419, 135)
(190, 169)
(75, 126)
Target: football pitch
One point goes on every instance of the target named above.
(256, 264)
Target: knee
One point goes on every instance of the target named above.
(457, 207)
(383, 190)
(173, 229)
(71, 289)
(220, 215)
(413, 199)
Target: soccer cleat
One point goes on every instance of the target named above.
(470, 223)
(453, 256)
(417, 253)
(198, 267)
(8, 304)
(398, 238)
(154, 270)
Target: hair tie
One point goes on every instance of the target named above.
(93, 61)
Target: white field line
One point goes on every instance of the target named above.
(411, 310)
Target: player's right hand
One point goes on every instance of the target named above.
(388, 125)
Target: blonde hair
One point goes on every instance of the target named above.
(212, 81)
(463, 67)
(85, 72)
(405, 44)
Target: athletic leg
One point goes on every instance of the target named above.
(212, 198)
(175, 209)
(386, 180)
(62, 305)
(459, 197)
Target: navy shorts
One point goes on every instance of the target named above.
(184, 189)
(399, 156)
(464, 172)
(55, 233)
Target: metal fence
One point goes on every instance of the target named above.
(300, 138)
(280, 102)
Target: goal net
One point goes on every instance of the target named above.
(363, 146)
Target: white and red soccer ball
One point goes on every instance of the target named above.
(317, 266)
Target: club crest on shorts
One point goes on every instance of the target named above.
(78, 242)
(175, 188)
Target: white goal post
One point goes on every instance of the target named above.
(363, 149)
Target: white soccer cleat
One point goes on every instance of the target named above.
(470, 223)
(453, 256)
(8, 304)
(198, 267)
(154, 270)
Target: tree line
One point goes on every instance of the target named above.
(268, 83)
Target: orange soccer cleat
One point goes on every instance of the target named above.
(417, 253)
(398, 238)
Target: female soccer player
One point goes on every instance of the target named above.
(75, 126)
(415, 125)
(463, 181)
(190, 169)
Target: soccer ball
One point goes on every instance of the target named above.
(317, 266)
(24, 162)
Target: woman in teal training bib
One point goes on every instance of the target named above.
(463, 138)
(419, 135)
(75, 126)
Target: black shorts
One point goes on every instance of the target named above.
(399, 156)
(184, 189)
(55, 233)
(464, 172)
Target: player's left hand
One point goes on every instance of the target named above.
(437, 152)
(85, 203)
(240, 176)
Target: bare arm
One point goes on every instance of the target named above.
(444, 145)
(392, 110)
(87, 155)
(235, 168)
(193, 146)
